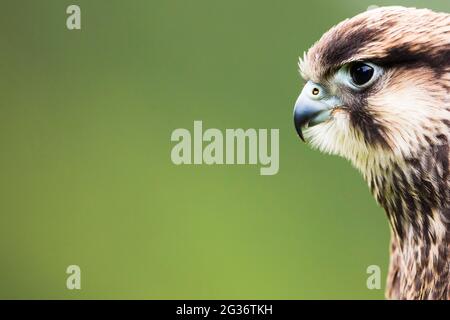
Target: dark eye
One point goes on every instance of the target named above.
(361, 73)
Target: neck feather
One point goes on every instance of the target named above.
(413, 191)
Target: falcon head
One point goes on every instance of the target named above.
(377, 87)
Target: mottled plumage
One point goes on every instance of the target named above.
(395, 131)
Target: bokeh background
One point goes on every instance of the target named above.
(85, 171)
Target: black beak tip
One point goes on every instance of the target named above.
(301, 137)
(298, 127)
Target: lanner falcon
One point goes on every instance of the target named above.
(377, 93)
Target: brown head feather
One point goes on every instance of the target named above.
(388, 35)
(396, 132)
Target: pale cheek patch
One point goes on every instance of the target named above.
(337, 137)
(406, 110)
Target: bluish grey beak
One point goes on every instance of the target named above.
(311, 108)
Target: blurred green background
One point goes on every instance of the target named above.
(86, 176)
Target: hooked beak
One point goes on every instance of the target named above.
(312, 107)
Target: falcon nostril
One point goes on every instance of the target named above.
(315, 91)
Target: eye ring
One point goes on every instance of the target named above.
(359, 75)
